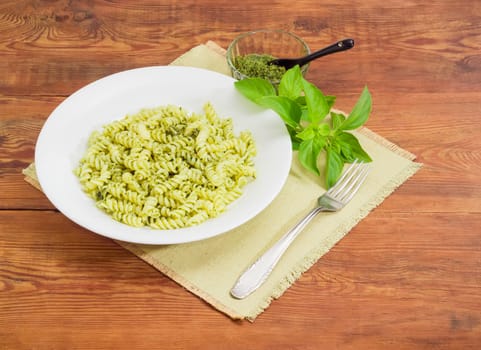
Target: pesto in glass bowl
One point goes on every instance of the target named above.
(249, 53)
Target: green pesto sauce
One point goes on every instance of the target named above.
(256, 65)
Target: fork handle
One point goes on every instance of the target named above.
(257, 273)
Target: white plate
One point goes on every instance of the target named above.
(63, 140)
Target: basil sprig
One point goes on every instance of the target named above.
(312, 125)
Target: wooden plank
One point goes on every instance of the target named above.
(383, 284)
(49, 50)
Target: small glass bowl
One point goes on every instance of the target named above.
(277, 43)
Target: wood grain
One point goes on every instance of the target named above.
(407, 277)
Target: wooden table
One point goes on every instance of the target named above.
(407, 277)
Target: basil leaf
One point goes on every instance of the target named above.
(309, 151)
(321, 131)
(301, 100)
(317, 105)
(360, 112)
(291, 83)
(335, 146)
(307, 134)
(305, 115)
(337, 119)
(334, 165)
(288, 110)
(330, 100)
(351, 149)
(294, 139)
(255, 88)
(344, 150)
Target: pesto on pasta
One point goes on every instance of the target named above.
(167, 168)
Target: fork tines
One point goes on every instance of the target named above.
(350, 181)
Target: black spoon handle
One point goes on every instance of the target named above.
(342, 45)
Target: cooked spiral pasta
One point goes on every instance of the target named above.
(167, 168)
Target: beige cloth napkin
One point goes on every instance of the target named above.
(209, 268)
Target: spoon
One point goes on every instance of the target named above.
(287, 63)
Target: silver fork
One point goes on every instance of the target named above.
(332, 200)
